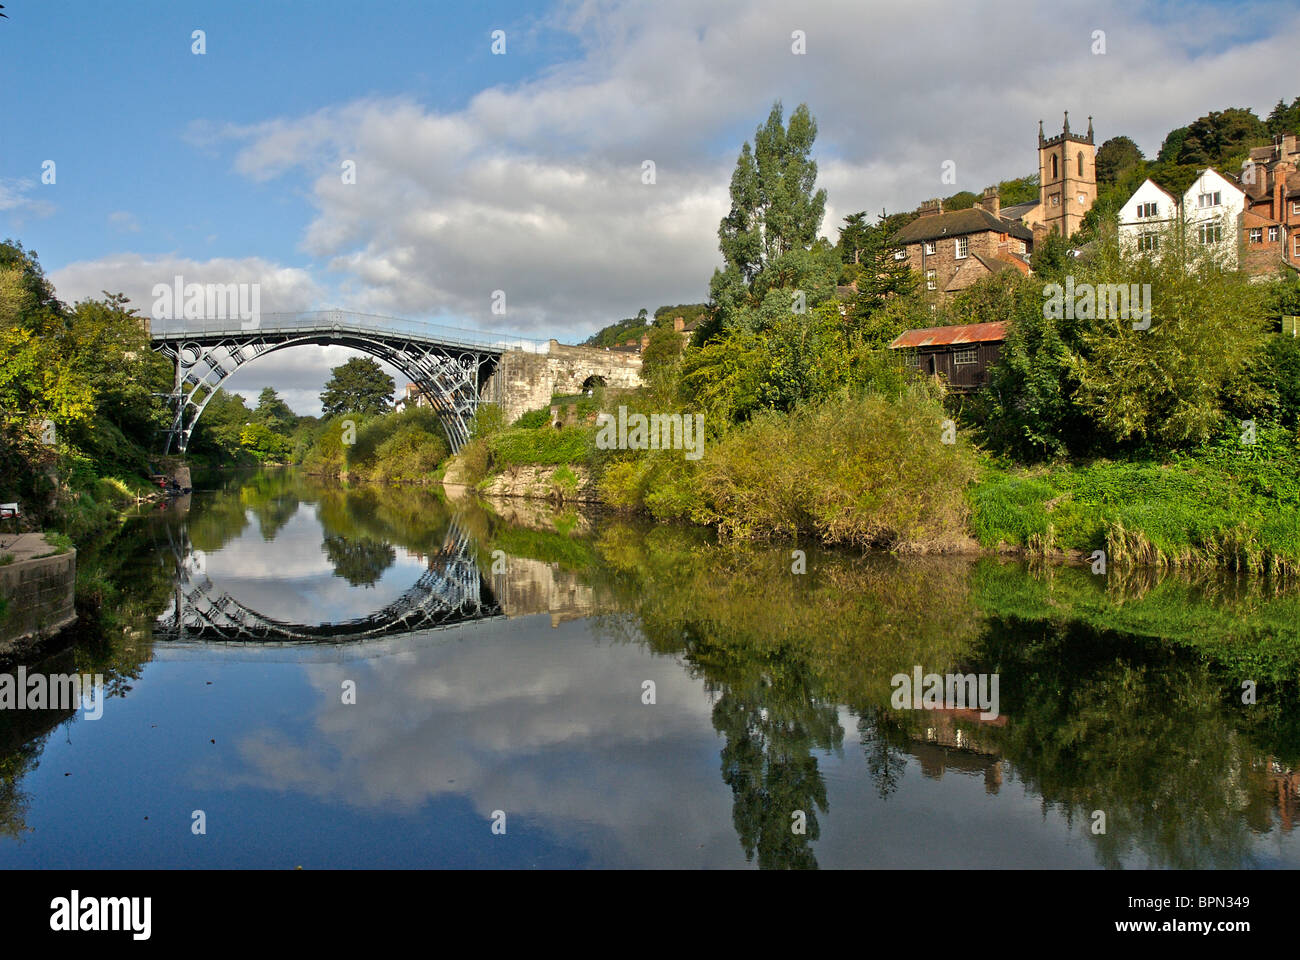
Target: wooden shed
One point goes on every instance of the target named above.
(961, 355)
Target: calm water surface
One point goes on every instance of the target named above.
(499, 663)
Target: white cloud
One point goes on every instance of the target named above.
(16, 199)
(124, 221)
(536, 190)
(282, 288)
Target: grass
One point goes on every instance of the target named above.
(548, 446)
(61, 543)
(1237, 513)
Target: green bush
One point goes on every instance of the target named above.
(488, 419)
(534, 419)
(864, 472)
(398, 447)
(515, 447)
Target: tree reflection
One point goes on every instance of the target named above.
(360, 562)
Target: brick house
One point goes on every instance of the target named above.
(951, 251)
(1270, 227)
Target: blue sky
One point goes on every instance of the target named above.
(522, 171)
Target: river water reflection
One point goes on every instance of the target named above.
(499, 660)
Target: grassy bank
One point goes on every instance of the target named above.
(875, 472)
(1225, 505)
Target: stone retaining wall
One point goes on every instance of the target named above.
(39, 595)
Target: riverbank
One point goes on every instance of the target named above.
(37, 590)
(876, 474)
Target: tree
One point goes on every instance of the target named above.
(774, 208)
(1020, 190)
(961, 200)
(665, 346)
(882, 278)
(358, 386)
(1284, 119)
(853, 237)
(1178, 381)
(274, 412)
(1220, 136)
(1115, 157)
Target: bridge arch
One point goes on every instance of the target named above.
(448, 370)
(451, 591)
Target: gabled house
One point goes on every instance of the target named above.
(950, 251)
(1209, 214)
(1146, 217)
(1271, 222)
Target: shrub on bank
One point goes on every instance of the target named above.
(398, 447)
(516, 447)
(870, 471)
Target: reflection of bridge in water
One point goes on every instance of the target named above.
(449, 592)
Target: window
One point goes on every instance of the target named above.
(1147, 210)
(1272, 234)
(929, 248)
(1295, 206)
(1054, 173)
(1149, 242)
(1256, 234)
(1297, 246)
(963, 247)
(1209, 199)
(965, 355)
(1021, 245)
(929, 280)
(900, 254)
(1210, 233)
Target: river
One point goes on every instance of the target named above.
(301, 674)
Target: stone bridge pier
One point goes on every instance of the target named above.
(526, 381)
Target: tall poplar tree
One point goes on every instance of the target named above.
(774, 217)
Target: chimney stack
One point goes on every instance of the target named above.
(930, 208)
(1279, 192)
(991, 202)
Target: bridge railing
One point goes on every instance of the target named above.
(343, 321)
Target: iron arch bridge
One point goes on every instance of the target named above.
(449, 592)
(450, 367)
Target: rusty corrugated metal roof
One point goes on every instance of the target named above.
(943, 336)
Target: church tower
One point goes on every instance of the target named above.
(1067, 177)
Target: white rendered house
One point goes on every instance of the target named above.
(1145, 219)
(1212, 208)
(1210, 213)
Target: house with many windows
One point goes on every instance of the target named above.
(1144, 221)
(1271, 222)
(950, 251)
(1210, 214)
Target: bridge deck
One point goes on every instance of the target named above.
(327, 322)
